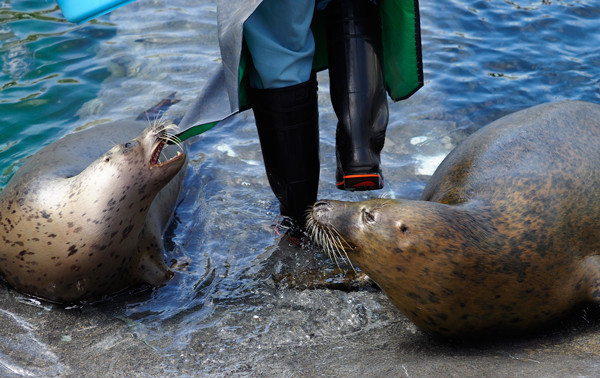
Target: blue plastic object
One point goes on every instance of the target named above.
(80, 11)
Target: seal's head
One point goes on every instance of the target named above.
(370, 233)
(145, 156)
(80, 230)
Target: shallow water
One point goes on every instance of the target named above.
(482, 59)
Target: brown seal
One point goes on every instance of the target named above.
(506, 236)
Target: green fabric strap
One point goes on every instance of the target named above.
(196, 130)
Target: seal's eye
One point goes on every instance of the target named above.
(128, 146)
(368, 217)
(403, 228)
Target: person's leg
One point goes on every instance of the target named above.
(284, 101)
(357, 92)
(281, 43)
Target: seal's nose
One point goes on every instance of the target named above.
(321, 207)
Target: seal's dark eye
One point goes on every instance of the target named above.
(403, 228)
(368, 217)
(127, 145)
(107, 159)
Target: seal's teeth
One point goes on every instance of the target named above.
(156, 154)
(160, 158)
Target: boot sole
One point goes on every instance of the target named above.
(361, 182)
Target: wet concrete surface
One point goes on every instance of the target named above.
(290, 332)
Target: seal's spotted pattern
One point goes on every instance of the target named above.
(505, 237)
(78, 222)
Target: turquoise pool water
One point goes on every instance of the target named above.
(482, 59)
(48, 73)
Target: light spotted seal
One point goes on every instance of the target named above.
(84, 216)
(506, 236)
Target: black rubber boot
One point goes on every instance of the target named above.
(287, 121)
(357, 92)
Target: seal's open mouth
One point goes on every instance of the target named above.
(159, 158)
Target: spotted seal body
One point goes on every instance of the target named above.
(84, 216)
(506, 236)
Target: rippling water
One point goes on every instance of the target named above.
(482, 59)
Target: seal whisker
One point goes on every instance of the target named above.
(340, 248)
(329, 240)
(170, 127)
(165, 131)
(386, 195)
(158, 120)
(174, 139)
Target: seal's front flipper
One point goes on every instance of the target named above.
(151, 268)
